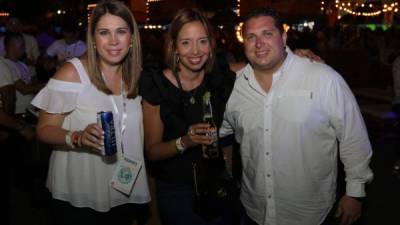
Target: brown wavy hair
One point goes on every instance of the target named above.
(182, 17)
(132, 63)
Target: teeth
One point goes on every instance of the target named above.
(114, 52)
(261, 53)
(195, 60)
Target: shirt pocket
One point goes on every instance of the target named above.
(294, 105)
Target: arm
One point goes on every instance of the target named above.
(354, 146)
(7, 94)
(156, 148)
(25, 88)
(49, 127)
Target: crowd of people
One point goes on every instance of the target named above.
(283, 119)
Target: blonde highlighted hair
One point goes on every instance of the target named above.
(132, 63)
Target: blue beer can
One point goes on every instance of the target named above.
(106, 121)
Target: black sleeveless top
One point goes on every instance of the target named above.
(177, 114)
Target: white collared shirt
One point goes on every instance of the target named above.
(289, 139)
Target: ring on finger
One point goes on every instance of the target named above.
(191, 132)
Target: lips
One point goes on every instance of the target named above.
(114, 52)
(195, 60)
(261, 53)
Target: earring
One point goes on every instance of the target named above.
(94, 46)
(177, 59)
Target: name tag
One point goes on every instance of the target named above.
(125, 175)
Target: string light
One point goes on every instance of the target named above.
(238, 7)
(349, 7)
(239, 32)
(152, 27)
(89, 8)
(4, 14)
(148, 7)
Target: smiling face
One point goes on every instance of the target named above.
(264, 43)
(113, 38)
(193, 47)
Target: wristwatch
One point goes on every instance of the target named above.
(180, 148)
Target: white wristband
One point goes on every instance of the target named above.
(68, 139)
(180, 148)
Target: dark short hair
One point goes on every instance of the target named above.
(10, 36)
(265, 11)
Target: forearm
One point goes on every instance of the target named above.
(53, 135)
(358, 174)
(29, 88)
(10, 122)
(162, 150)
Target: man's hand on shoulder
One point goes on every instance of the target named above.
(307, 53)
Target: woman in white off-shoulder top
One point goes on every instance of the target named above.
(88, 188)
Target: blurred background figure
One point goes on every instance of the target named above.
(23, 77)
(396, 109)
(31, 46)
(68, 47)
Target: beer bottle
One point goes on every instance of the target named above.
(210, 151)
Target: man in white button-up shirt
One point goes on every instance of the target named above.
(291, 116)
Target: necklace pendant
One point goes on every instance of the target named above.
(192, 100)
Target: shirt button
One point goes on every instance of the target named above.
(269, 196)
(268, 175)
(267, 153)
(266, 129)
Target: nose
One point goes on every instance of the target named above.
(259, 42)
(113, 39)
(195, 48)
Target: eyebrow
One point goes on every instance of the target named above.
(118, 28)
(183, 39)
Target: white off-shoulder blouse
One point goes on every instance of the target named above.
(81, 176)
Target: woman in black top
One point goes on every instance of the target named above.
(173, 114)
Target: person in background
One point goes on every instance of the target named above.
(396, 108)
(7, 106)
(14, 25)
(173, 116)
(25, 81)
(68, 47)
(11, 131)
(290, 117)
(87, 187)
